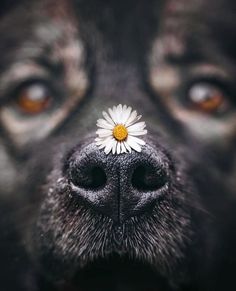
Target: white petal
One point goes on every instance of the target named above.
(99, 143)
(104, 124)
(101, 146)
(123, 149)
(115, 113)
(98, 139)
(103, 143)
(136, 140)
(136, 119)
(126, 114)
(114, 147)
(112, 114)
(104, 132)
(133, 145)
(104, 135)
(136, 133)
(133, 118)
(124, 108)
(106, 139)
(137, 126)
(108, 118)
(109, 146)
(127, 146)
(118, 148)
(119, 111)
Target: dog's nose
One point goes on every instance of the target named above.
(118, 186)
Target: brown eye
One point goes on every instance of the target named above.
(34, 99)
(207, 98)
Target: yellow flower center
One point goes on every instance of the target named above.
(120, 132)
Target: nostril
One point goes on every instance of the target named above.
(90, 177)
(148, 178)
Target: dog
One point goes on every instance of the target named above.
(158, 216)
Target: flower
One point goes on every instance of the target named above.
(119, 129)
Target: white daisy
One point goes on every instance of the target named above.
(119, 129)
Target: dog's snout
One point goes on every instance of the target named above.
(118, 186)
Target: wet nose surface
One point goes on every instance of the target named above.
(118, 186)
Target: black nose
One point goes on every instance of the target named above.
(118, 186)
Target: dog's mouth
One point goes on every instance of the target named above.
(90, 253)
(122, 272)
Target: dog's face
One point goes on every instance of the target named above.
(76, 218)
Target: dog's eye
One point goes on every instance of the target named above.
(33, 99)
(207, 98)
